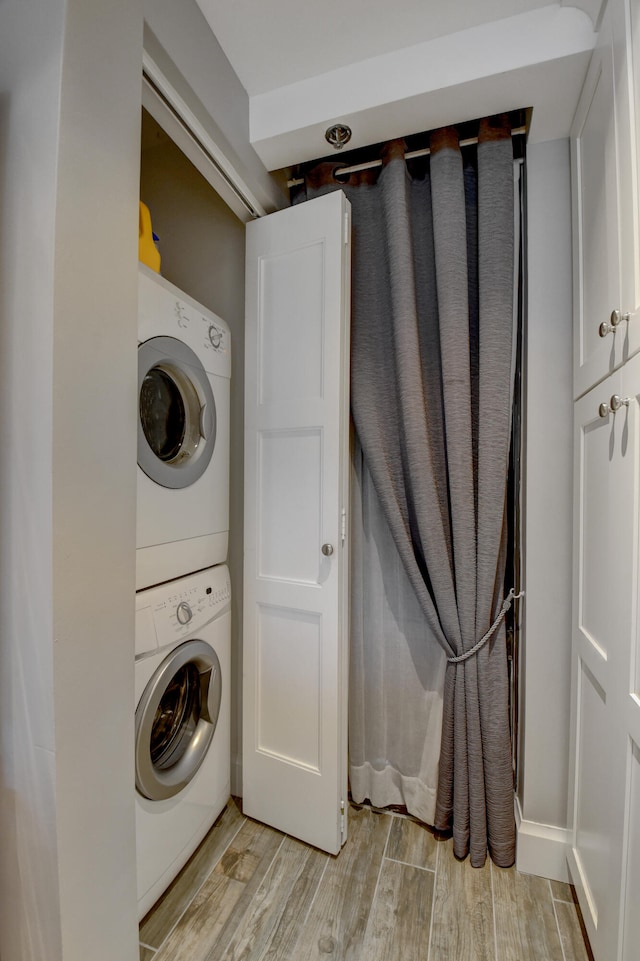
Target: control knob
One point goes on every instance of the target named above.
(215, 336)
(183, 613)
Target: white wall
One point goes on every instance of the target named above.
(69, 116)
(548, 513)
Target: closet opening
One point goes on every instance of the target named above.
(202, 246)
(359, 173)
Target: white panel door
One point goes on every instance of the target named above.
(600, 624)
(294, 767)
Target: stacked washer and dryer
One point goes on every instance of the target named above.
(183, 600)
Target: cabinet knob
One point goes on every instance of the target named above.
(616, 402)
(614, 321)
(327, 550)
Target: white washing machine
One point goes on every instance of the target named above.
(184, 371)
(182, 722)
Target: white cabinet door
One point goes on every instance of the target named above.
(628, 75)
(604, 813)
(600, 620)
(605, 144)
(597, 271)
(296, 483)
(627, 666)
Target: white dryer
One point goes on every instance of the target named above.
(182, 722)
(184, 371)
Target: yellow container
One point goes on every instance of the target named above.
(148, 253)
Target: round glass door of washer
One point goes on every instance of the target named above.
(176, 719)
(176, 413)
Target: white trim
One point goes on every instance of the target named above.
(542, 848)
(175, 116)
(593, 8)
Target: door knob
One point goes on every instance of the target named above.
(327, 550)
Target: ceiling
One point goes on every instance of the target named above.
(383, 67)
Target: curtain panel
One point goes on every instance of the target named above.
(431, 388)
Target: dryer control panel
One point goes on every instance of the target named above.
(166, 311)
(180, 609)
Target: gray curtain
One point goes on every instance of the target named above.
(431, 373)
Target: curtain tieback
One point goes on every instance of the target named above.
(506, 604)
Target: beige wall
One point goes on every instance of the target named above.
(179, 39)
(30, 72)
(94, 470)
(69, 142)
(546, 675)
(69, 94)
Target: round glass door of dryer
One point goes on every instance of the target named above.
(176, 413)
(176, 720)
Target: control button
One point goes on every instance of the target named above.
(215, 336)
(183, 320)
(183, 612)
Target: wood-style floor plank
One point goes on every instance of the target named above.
(412, 843)
(338, 917)
(399, 922)
(252, 894)
(158, 923)
(462, 922)
(206, 928)
(526, 927)
(294, 917)
(571, 933)
(562, 891)
(254, 934)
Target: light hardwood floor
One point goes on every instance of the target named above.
(394, 892)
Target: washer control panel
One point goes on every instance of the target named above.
(181, 608)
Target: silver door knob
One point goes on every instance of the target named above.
(604, 410)
(616, 318)
(327, 550)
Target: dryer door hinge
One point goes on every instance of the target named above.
(343, 524)
(342, 824)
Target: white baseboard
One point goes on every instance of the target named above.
(542, 848)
